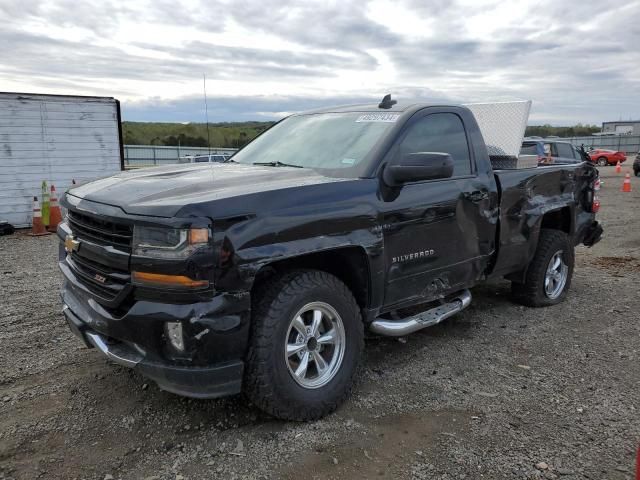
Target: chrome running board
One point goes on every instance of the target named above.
(428, 318)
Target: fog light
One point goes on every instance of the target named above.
(174, 333)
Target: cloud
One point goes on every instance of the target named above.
(271, 60)
(576, 60)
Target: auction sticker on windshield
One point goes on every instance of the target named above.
(378, 117)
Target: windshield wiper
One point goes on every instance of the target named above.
(277, 164)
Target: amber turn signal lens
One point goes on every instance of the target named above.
(198, 235)
(162, 280)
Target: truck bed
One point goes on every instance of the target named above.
(525, 196)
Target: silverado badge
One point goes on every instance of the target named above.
(71, 244)
(414, 256)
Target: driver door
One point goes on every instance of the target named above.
(437, 233)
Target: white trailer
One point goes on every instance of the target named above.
(57, 138)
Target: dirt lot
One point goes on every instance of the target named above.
(492, 393)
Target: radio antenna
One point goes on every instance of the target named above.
(206, 110)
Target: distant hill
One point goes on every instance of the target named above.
(232, 135)
(238, 134)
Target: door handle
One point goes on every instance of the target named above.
(477, 196)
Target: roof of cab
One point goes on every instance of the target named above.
(374, 107)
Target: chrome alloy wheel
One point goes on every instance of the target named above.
(556, 276)
(314, 346)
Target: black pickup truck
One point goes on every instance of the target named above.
(262, 274)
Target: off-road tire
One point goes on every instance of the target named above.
(531, 292)
(268, 383)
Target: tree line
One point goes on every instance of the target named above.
(578, 130)
(238, 134)
(231, 135)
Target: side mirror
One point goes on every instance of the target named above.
(419, 166)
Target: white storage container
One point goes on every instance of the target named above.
(56, 138)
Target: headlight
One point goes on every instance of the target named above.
(64, 212)
(168, 243)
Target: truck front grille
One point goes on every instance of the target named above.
(103, 281)
(100, 230)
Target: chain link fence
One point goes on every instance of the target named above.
(629, 144)
(136, 156)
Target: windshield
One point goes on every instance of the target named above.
(337, 143)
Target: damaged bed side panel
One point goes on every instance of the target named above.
(530, 199)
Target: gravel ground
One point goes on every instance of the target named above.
(499, 391)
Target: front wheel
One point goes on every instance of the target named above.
(603, 162)
(307, 337)
(549, 274)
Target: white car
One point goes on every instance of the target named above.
(214, 157)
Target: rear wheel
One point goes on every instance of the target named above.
(307, 337)
(549, 274)
(603, 162)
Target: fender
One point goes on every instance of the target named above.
(254, 242)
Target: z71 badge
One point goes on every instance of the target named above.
(413, 256)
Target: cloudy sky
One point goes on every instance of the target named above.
(578, 60)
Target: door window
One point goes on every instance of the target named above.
(529, 149)
(443, 133)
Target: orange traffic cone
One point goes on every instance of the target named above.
(618, 167)
(626, 185)
(55, 215)
(37, 227)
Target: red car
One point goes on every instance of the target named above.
(606, 157)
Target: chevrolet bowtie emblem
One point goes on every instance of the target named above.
(71, 244)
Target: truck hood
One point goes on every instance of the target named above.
(163, 191)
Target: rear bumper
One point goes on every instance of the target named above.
(198, 382)
(593, 234)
